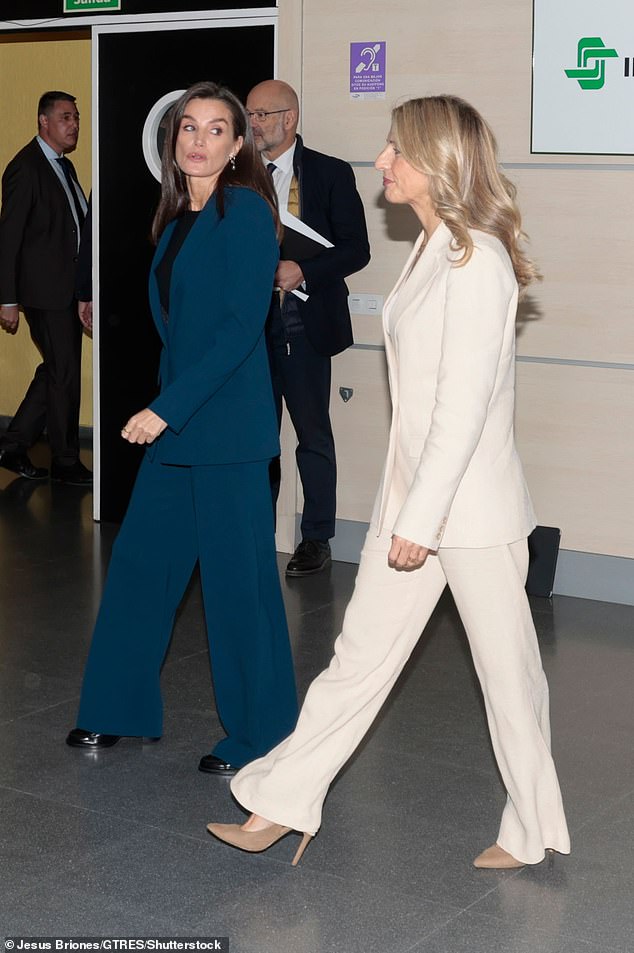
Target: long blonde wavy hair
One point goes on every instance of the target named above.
(448, 140)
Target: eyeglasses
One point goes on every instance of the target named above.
(261, 114)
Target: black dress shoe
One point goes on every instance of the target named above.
(78, 738)
(210, 764)
(19, 463)
(74, 475)
(312, 555)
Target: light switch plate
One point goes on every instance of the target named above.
(365, 304)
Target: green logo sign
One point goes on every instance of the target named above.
(90, 6)
(591, 48)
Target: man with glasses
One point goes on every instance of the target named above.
(303, 333)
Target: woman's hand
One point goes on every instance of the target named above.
(405, 555)
(144, 427)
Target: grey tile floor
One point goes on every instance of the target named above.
(115, 844)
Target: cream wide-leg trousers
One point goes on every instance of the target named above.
(383, 622)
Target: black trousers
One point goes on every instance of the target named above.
(301, 377)
(52, 400)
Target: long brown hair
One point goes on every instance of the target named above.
(249, 170)
(448, 140)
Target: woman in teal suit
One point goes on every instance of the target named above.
(202, 493)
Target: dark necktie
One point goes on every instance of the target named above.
(68, 175)
(293, 198)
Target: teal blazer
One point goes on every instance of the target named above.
(215, 386)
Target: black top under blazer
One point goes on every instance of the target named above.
(216, 395)
(38, 234)
(329, 203)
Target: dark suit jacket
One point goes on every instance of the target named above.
(330, 203)
(83, 275)
(38, 235)
(216, 393)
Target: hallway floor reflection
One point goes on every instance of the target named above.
(114, 844)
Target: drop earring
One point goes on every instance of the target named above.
(232, 160)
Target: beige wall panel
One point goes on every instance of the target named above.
(582, 309)
(575, 438)
(481, 51)
(289, 42)
(361, 428)
(27, 69)
(392, 231)
(457, 46)
(579, 224)
(575, 433)
(577, 449)
(289, 66)
(367, 329)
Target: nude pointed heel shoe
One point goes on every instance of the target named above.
(256, 841)
(495, 858)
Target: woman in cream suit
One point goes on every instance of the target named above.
(452, 508)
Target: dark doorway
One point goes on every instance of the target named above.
(136, 69)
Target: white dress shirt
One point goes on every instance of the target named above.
(52, 157)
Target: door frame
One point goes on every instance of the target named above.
(138, 24)
(123, 19)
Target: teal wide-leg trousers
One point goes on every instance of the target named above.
(220, 516)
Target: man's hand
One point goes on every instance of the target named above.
(288, 276)
(9, 318)
(84, 310)
(144, 427)
(405, 555)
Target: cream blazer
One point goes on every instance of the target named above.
(452, 476)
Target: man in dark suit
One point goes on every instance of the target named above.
(83, 275)
(303, 333)
(43, 209)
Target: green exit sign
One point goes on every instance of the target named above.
(90, 6)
